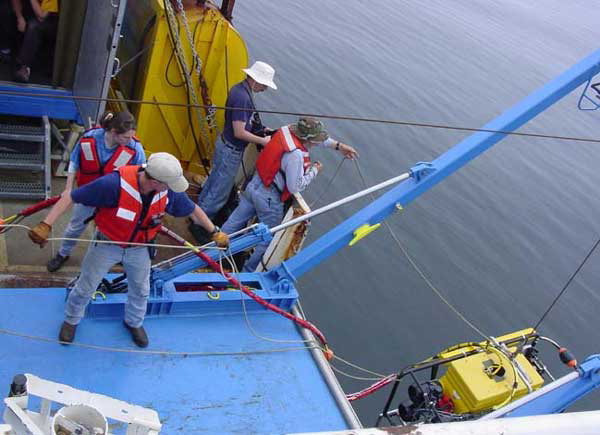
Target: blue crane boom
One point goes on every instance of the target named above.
(426, 175)
(423, 177)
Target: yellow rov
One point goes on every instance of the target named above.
(477, 378)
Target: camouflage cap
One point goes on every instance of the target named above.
(308, 128)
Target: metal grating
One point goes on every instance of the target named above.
(22, 189)
(22, 128)
(24, 157)
(28, 155)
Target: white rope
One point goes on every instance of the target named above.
(243, 301)
(358, 378)
(148, 352)
(110, 242)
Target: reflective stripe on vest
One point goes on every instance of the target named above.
(287, 135)
(88, 148)
(268, 163)
(90, 167)
(125, 222)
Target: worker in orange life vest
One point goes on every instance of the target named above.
(283, 168)
(130, 204)
(100, 151)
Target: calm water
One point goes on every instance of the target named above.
(501, 237)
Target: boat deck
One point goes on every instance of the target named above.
(209, 373)
(205, 371)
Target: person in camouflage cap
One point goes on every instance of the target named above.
(283, 168)
(309, 129)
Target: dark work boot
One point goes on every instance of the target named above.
(56, 263)
(67, 333)
(138, 335)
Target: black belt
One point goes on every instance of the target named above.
(230, 145)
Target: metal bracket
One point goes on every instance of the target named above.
(421, 170)
(281, 277)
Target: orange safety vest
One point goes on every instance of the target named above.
(129, 222)
(90, 167)
(268, 163)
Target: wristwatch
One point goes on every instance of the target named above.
(216, 230)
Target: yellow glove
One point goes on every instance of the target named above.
(39, 234)
(221, 239)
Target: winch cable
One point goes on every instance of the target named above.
(18, 217)
(491, 346)
(421, 273)
(315, 115)
(328, 185)
(215, 266)
(564, 289)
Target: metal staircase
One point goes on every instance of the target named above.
(24, 157)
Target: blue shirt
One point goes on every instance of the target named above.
(105, 153)
(104, 192)
(240, 97)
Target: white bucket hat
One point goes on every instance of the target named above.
(165, 168)
(263, 73)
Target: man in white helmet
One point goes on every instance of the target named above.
(237, 133)
(130, 204)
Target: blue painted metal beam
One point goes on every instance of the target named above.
(159, 275)
(427, 175)
(38, 101)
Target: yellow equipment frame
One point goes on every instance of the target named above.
(223, 54)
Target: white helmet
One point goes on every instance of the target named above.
(262, 73)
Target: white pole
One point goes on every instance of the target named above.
(339, 202)
(575, 423)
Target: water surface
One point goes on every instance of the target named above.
(499, 238)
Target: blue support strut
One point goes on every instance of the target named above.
(425, 176)
(174, 268)
(556, 396)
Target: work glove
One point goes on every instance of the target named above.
(221, 239)
(39, 234)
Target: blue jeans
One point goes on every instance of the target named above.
(225, 164)
(261, 201)
(98, 260)
(75, 228)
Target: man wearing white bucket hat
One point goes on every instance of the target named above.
(130, 204)
(237, 133)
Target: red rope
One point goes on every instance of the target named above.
(216, 267)
(39, 206)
